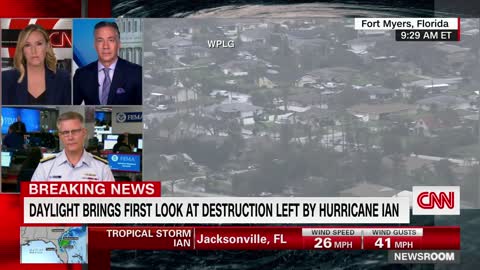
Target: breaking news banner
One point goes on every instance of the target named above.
(414, 29)
(140, 203)
(109, 203)
(91, 189)
(193, 210)
(125, 202)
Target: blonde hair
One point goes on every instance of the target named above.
(70, 116)
(19, 61)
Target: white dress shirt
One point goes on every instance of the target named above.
(58, 168)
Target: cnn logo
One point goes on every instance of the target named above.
(436, 200)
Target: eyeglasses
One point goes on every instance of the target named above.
(73, 132)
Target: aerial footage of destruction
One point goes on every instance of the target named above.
(308, 107)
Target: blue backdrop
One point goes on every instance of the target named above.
(30, 117)
(83, 46)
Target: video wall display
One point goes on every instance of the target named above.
(31, 118)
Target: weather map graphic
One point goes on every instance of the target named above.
(53, 245)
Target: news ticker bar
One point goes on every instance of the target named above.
(275, 238)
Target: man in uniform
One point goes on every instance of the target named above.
(74, 163)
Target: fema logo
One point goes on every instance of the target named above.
(121, 117)
(114, 158)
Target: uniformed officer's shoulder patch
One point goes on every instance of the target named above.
(100, 159)
(47, 159)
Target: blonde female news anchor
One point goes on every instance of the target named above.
(35, 79)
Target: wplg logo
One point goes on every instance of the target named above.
(436, 200)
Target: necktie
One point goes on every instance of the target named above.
(105, 86)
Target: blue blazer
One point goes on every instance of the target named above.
(126, 87)
(58, 92)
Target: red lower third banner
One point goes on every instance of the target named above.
(11, 220)
(104, 239)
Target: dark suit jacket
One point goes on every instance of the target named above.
(126, 87)
(58, 92)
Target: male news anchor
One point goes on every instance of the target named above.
(110, 80)
(74, 163)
